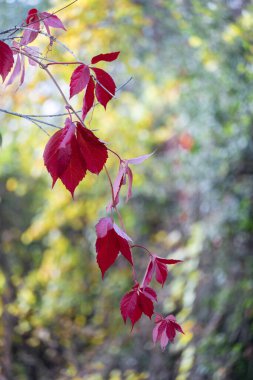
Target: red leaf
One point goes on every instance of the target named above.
(51, 20)
(32, 22)
(157, 265)
(161, 272)
(129, 307)
(105, 88)
(149, 273)
(150, 293)
(93, 151)
(6, 60)
(79, 79)
(71, 151)
(109, 243)
(165, 330)
(136, 302)
(107, 251)
(88, 99)
(167, 261)
(63, 159)
(76, 169)
(32, 15)
(146, 305)
(108, 57)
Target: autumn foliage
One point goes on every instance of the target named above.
(75, 149)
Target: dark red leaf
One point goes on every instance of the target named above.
(33, 23)
(32, 15)
(105, 86)
(130, 308)
(6, 60)
(134, 303)
(107, 251)
(76, 169)
(110, 243)
(161, 272)
(93, 151)
(146, 305)
(63, 159)
(88, 99)
(108, 57)
(167, 261)
(157, 265)
(79, 79)
(150, 293)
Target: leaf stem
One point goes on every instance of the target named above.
(141, 246)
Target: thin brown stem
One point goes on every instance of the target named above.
(63, 63)
(141, 246)
(110, 181)
(116, 154)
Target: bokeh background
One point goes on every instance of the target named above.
(190, 100)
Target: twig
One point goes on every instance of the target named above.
(54, 39)
(35, 121)
(16, 28)
(54, 115)
(100, 84)
(124, 84)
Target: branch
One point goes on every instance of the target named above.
(54, 39)
(33, 120)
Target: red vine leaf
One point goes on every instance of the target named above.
(79, 79)
(33, 24)
(108, 57)
(92, 149)
(165, 330)
(111, 240)
(136, 302)
(62, 157)
(88, 99)
(158, 266)
(70, 152)
(105, 86)
(51, 20)
(6, 60)
(130, 308)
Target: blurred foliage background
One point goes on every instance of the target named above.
(191, 100)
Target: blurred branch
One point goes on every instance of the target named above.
(33, 120)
